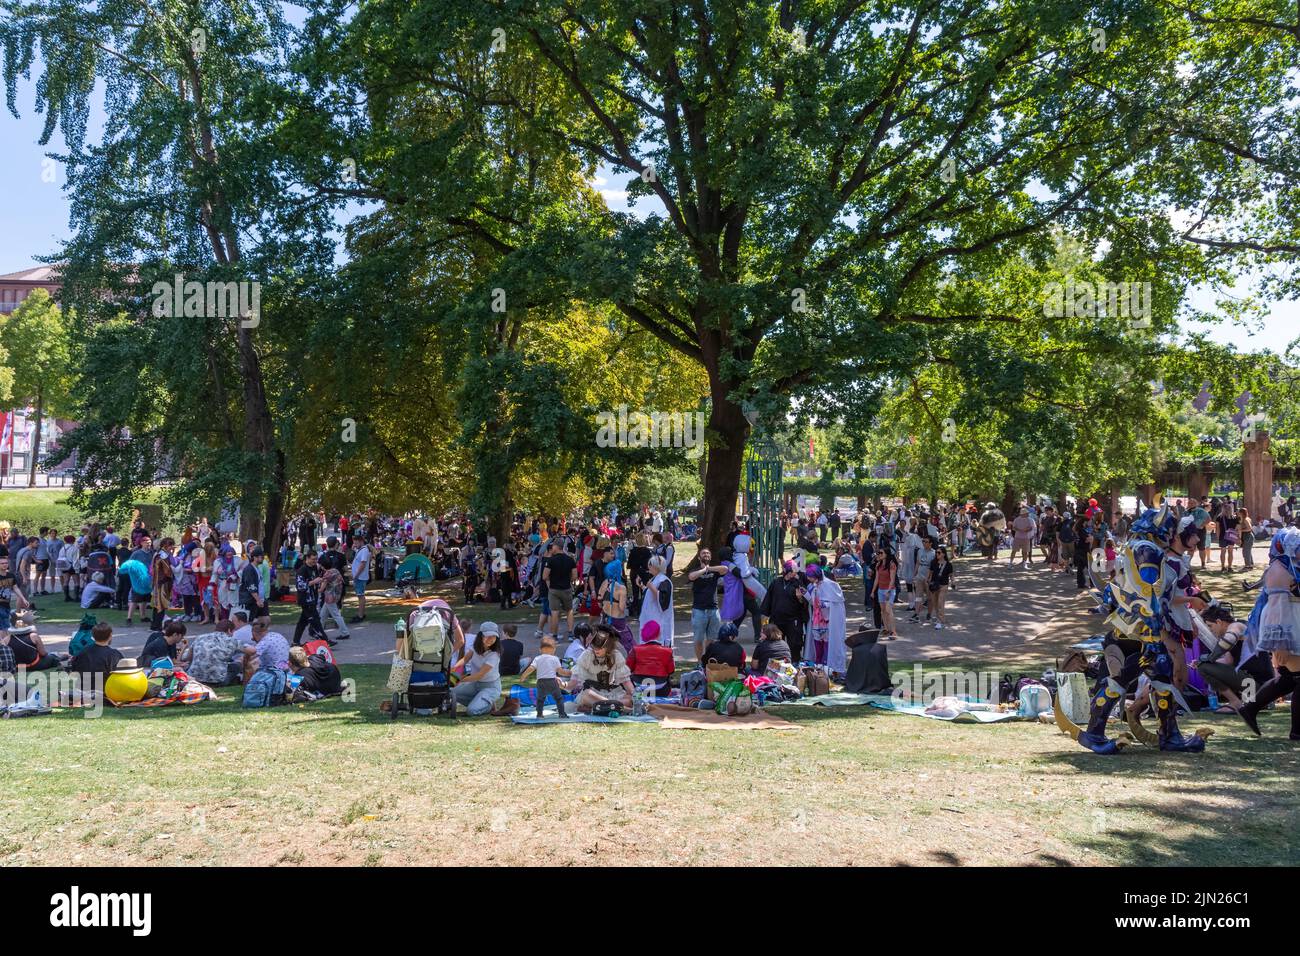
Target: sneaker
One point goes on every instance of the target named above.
(938, 625)
(344, 637)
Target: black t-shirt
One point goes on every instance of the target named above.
(704, 591)
(155, 648)
(24, 650)
(638, 560)
(332, 561)
(511, 652)
(7, 584)
(766, 650)
(96, 659)
(562, 567)
(724, 652)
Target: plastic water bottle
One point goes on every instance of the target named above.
(1214, 698)
(638, 707)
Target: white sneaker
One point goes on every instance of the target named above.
(938, 625)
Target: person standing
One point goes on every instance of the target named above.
(361, 562)
(250, 586)
(1022, 543)
(1246, 530)
(309, 582)
(940, 582)
(705, 619)
(658, 602)
(786, 605)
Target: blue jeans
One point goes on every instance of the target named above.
(704, 624)
(479, 696)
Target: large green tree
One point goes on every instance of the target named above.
(819, 169)
(184, 180)
(36, 337)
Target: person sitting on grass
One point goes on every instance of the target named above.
(272, 648)
(96, 594)
(548, 669)
(651, 661)
(725, 650)
(219, 658)
(771, 647)
(165, 643)
(601, 672)
(29, 650)
(481, 686)
(97, 661)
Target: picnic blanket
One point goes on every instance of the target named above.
(184, 697)
(676, 717)
(965, 717)
(835, 699)
(551, 716)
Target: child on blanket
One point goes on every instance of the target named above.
(548, 668)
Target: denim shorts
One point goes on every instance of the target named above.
(360, 587)
(886, 595)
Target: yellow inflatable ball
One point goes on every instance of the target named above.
(126, 686)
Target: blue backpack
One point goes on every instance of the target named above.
(265, 688)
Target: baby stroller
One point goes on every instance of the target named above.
(425, 640)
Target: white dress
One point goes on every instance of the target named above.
(651, 611)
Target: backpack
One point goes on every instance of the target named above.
(693, 688)
(265, 688)
(83, 638)
(428, 636)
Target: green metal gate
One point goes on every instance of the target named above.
(764, 497)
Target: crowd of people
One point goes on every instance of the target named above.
(589, 578)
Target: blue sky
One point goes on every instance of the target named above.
(34, 218)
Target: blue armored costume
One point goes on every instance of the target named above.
(1148, 578)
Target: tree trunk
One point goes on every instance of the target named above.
(277, 503)
(36, 441)
(729, 430)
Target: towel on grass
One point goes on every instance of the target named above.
(676, 717)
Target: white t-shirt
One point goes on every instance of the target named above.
(361, 564)
(548, 666)
(244, 635)
(575, 650)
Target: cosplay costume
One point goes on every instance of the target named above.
(1274, 625)
(992, 523)
(1148, 578)
(826, 628)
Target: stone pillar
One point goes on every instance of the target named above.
(1146, 495)
(1257, 477)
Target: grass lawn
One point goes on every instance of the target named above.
(337, 782)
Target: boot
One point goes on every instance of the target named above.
(1171, 738)
(1105, 696)
(1281, 685)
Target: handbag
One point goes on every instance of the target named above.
(399, 675)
